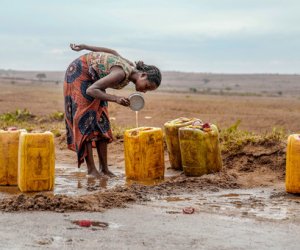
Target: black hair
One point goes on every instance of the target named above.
(153, 73)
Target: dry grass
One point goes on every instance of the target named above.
(233, 139)
(257, 114)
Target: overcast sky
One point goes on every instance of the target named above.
(223, 36)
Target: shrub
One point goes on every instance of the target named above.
(233, 139)
(17, 116)
(57, 116)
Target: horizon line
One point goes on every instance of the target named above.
(177, 71)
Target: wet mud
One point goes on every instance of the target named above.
(258, 203)
(253, 166)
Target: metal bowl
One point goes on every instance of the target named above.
(137, 101)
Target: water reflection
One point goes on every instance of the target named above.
(145, 182)
(70, 180)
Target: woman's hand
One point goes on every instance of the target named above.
(123, 101)
(77, 47)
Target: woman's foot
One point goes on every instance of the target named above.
(94, 173)
(108, 173)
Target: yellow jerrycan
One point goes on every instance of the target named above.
(200, 149)
(144, 154)
(36, 168)
(9, 146)
(171, 134)
(292, 175)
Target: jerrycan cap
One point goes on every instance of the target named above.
(137, 101)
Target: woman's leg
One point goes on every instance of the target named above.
(89, 159)
(102, 154)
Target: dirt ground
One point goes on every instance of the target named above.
(248, 194)
(253, 166)
(154, 225)
(258, 165)
(257, 113)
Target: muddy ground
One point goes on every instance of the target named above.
(253, 165)
(226, 223)
(242, 207)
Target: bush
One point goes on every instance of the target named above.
(233, 139)
(193, 90)
(17, 116)
(56, 132)
(57, 116)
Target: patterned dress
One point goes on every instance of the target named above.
(87, 118)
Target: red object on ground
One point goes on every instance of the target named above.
(85, 223)
(188, 210)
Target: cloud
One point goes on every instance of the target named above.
(208, 35)
(57, 51)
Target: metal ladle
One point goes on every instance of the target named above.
(137, 101)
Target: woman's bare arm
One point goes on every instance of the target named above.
(96, 90)
(79, 47)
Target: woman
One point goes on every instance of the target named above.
(86, 102)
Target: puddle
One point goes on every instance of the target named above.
(73, 181)
(258, 204)
(8, 190)
(169, 174)
(70, 180)
(146, 182)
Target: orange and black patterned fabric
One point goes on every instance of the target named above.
(87, 118)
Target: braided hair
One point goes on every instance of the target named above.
(153, 73)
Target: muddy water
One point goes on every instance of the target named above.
(73, 181)
(70, 180)
(260, 203)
